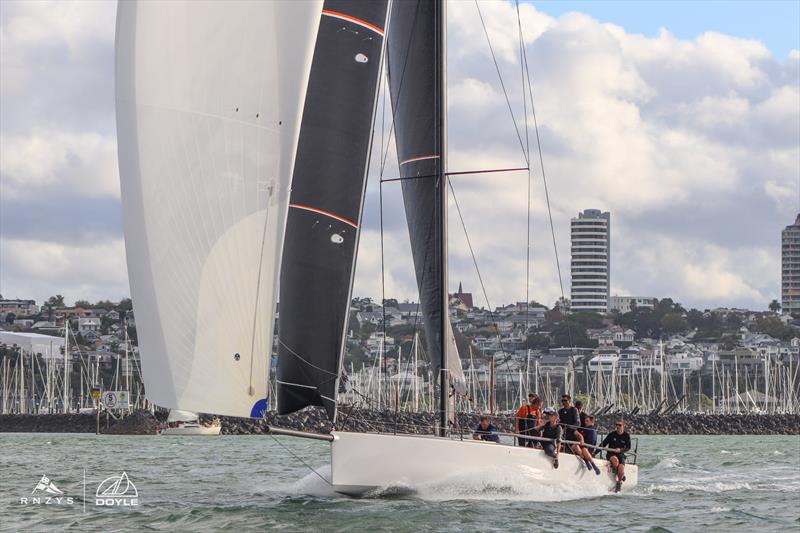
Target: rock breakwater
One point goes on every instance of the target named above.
(360, 420)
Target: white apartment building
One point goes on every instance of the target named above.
(591, 261)
(623, 303)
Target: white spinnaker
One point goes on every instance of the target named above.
(209, 102)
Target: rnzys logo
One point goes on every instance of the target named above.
(117, 490)
(46, 493)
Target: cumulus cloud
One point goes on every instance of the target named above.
(693, 145)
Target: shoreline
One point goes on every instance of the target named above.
(359, 420)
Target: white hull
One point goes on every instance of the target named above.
(364, 462)
(191, 430)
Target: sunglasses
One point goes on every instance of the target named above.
(564, 400)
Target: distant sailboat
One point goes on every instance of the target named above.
(244, 135)
(188, 423)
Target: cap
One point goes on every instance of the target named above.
(548, 411)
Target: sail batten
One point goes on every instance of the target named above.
(326, 203)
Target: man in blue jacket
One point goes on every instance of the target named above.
(486, 431)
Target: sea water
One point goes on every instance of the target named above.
(256, 483)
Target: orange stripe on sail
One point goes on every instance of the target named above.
(321, 212)
(351, 18)
(420, 158)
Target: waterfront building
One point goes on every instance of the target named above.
(18, 307)
(623, 304)
(790, 267)
(591, 261)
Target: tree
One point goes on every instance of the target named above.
(83, 304)
(367, 329)
(537, 341)
(774, 306)
(125, 305)
(55, 301)
(10, 317)
(674, 323)
(775, 328)
(733, 321)
(567, 334)
(728, 342)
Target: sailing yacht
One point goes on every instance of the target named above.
(186, 423)
(244, 132)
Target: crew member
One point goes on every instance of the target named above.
(619, 441)
(486, 431)
(581, 412)
(550, 430)
(569, 417)
(589, 434)
(522, 422)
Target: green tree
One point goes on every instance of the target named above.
(367, 329)
(674, 323)
(55, 301)
(83, 304)
(728, 342)
(775, 328)
(572, 335)
(125, 305)
(733, 321)
(774, 306)
(10, 317)
(537, 341)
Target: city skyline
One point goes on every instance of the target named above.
(673, 162)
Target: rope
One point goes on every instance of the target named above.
(312, 365)
(300, 459)
(258, 293)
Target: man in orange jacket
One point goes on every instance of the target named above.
(528, 417)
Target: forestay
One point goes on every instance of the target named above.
(209, 101)
(326, 203)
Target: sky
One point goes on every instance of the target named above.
(681, 119)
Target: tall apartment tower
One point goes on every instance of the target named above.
(790, 267)
(591, 261)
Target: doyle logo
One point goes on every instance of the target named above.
(46, 493)
(117, 490)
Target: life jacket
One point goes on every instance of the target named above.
(534, 417)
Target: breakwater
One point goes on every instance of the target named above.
(360, 420)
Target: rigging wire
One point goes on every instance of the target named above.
(279, 443)
(502, 84)
(528, 222)
(400, 86)
(477, 269)
(544, 179)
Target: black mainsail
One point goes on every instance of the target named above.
(325, 206)
(416, 69)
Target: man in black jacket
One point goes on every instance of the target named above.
(550, 429)
(619, 441)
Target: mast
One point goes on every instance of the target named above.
(441, 117)
(67, 367)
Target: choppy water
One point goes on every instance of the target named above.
(694, 483)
